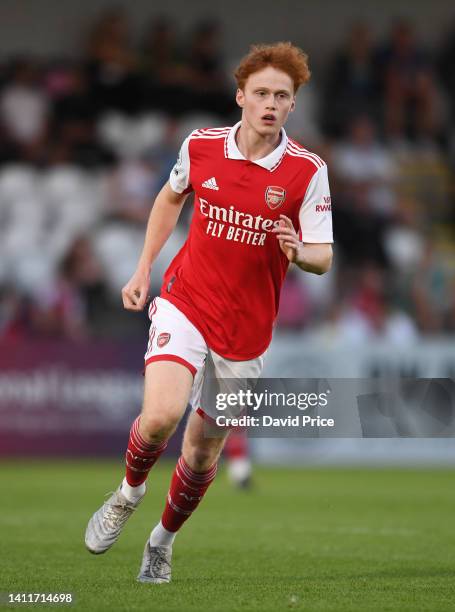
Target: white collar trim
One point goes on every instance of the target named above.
(269, 162)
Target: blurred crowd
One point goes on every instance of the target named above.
(86, 143)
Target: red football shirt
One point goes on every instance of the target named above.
(228, 275)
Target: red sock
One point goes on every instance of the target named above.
(186, 491)
(140, 456)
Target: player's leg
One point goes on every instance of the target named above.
(195, 471)
(166, 393)
(236, 451)
(238, 462)
(175, 354)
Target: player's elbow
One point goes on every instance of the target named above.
(326, 263)
(322, 262)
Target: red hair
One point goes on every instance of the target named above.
(282, 56)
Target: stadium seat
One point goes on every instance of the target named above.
(63, 182)
(27, 212)
(113, 130)
(16, 182)
(118, 247)
(33, 270)
(151, 130)
(131, 137)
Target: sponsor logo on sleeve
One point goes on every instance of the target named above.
(326, 207)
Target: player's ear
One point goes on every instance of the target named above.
(292, 105)
(240, 98)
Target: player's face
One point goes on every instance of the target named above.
(267, 99)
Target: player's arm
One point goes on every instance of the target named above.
(310, 257)
(162, 220)
(315, 258)
(312, 251)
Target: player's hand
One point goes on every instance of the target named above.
(135, 292)
(288, 239)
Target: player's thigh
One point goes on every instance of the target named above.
(167, 391)
(201, 449)
(175, 354)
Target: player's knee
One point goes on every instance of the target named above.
(158, 427)
(200, 459)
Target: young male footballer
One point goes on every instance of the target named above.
(262, 201)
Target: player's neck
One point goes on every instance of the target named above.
(253, 145)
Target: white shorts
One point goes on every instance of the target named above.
(173, 337)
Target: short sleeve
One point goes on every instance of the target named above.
(179, 179)
(315, 216)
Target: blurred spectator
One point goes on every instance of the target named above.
(450, 315)
(404, 240)
(74, 111)
(368, 295)
(77, 304)
(167, 75)
(24, 109)
(431, 292)
(112, 64)
(208, 88)
(409, 93)
(14, 314)
(362, 163)
(347, 326)
(359, 231)
(366, 313)
(69, 89)
(352, 82)
(295, 307)
(446, 63)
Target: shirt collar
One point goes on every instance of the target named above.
(269, 162)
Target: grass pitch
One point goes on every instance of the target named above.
(302, 539)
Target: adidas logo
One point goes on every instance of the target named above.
(210, 184)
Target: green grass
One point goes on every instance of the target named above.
(303, 539)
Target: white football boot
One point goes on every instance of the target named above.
(156, 564)
(107, 523)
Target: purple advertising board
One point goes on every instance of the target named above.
(60, 398)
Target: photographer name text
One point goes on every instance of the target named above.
(299, 420)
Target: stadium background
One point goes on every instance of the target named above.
(94, 102)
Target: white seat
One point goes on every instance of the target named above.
(28, 211)
(167, 254)
(79, 213)
(20, 239)
(17, 181)
(4, 263)
(57, 242)
(150, 131)
(63, 182)
(118, 247)
(113, 131)
(33, 270)
(131, 137)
